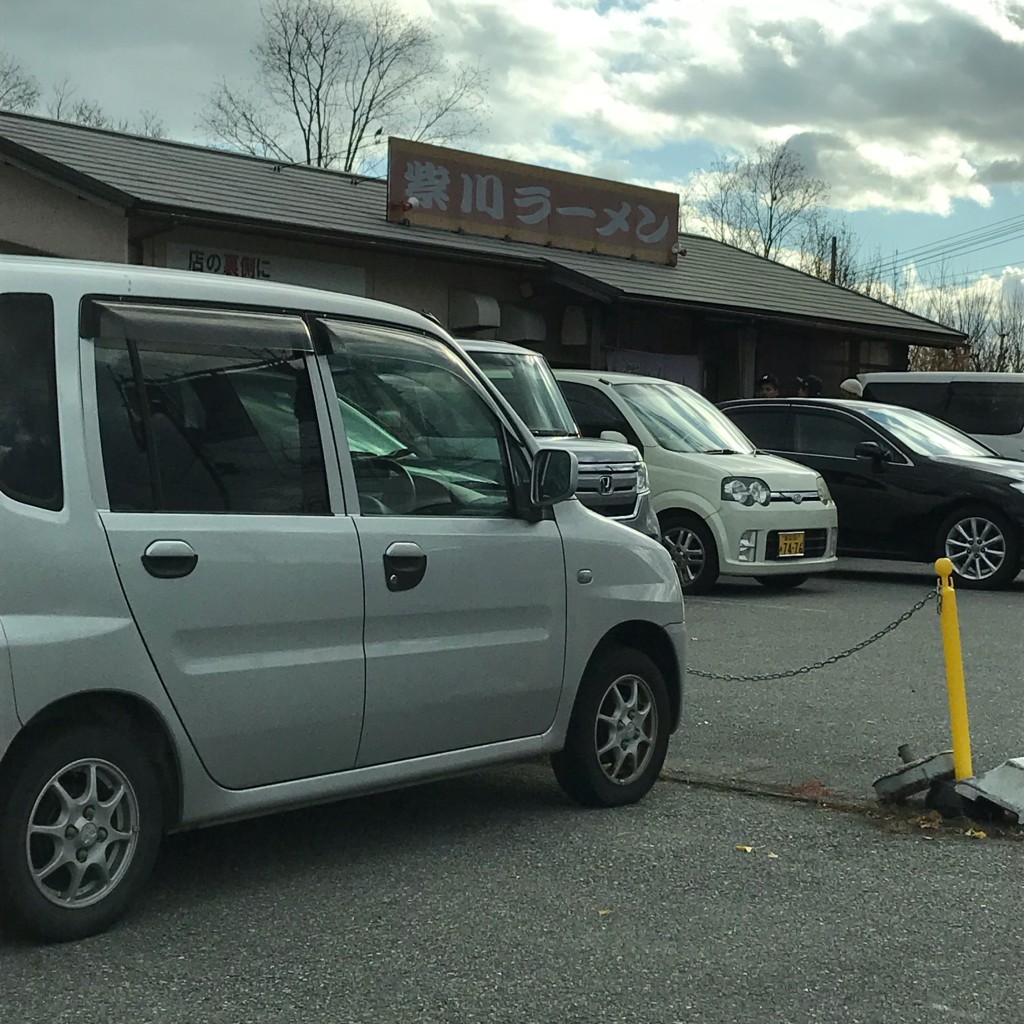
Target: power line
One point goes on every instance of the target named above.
(942, 257)
(970, 241)
(1000, 266)
(972, 231)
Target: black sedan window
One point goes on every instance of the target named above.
(822, 433)
(770, 429)
(926, 435)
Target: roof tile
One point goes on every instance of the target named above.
(199, 180)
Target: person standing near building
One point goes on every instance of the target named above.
(767, 386)
(851, 388)
(808, 387)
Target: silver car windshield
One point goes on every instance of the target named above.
(925, 435)
(528, 385)
(682, 420)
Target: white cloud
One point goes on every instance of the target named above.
(921, 95)
(909, 105)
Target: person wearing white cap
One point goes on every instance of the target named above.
(852, 387)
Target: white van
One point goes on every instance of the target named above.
(238, 576)
(988, 406)
(725, 508)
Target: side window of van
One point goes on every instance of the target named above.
(423, 440)
(30, 464)
(986, 408)
(207, 412)
(925, 396)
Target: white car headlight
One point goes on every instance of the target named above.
(643, 478)
(746, 490)
(823, 491)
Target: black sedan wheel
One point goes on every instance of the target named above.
(982, 546)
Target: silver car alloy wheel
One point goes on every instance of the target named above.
(626, 729)
(82, 833)
(687, 551)
(976, 547)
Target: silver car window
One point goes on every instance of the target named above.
(219, 420)
(449, 456)
(30, 462)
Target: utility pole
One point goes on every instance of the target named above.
(832, 266)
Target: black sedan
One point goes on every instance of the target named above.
(906, 485)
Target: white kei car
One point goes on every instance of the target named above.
(724, 507)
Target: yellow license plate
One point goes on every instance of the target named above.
(791, 545)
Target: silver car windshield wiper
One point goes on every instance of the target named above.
(719, 451)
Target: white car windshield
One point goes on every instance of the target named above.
(925, 435)
(682, 420)
(528, 385)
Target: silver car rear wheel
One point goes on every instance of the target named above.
(81, 817)
(82, 833)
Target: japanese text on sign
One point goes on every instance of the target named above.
(436, 187)
(232, 264)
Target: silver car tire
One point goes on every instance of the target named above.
(81, 818)
(618, 734)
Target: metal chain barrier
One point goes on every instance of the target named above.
(932, 595)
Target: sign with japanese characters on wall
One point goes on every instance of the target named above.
(668, 366)
(435, 187)
(232, 262)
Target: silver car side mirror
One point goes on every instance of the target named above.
(553, 478)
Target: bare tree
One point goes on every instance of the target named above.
(816, 251)
(760, 201)
(1003, 350)
(335, 78)
(242, 121)
(19, 91)
(962, 306)
(66, 105)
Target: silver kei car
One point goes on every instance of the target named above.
(237, 577)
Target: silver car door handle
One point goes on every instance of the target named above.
(169, 559)
(404, 565)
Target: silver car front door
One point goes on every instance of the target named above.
(465, 599)
(246, 589)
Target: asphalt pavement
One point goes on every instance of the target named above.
(492, 898)
(841, 726)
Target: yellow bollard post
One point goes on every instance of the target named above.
(954, 671)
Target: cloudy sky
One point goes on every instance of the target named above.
(911, 109)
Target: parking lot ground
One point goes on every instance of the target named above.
(491, 898)
(841, 726)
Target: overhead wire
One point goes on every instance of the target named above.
(970, 242)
